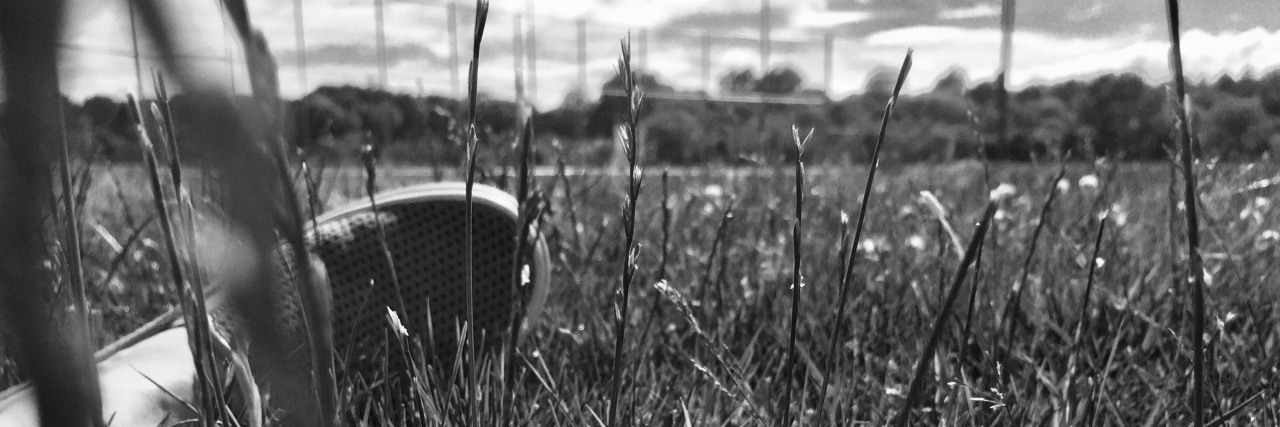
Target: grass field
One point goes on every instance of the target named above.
(710, 350)
(1069, 305)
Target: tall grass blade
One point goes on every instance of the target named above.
(193, 310)
(163, 118)
(797, 277)
(1194, 270)
(472, 360)
(71, 233)
(524, 219)
(630, 146)
(922, 365)
(847, 275)
(1013, 308)
(56, 359)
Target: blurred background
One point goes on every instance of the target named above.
(729, 77)
(567, 48)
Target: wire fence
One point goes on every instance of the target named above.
(424, 47)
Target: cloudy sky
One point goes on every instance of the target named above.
(1056, 40)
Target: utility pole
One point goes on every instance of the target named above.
(828, 61)
(1007, 13)
(765, 45)
(517, 58)
(706, 63)
(300, 38)
(582, 58)
(227, 42)
(531, 48)
(380, 24)
(454, 61)
(644, 48)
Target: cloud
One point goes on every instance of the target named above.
(1055, 40)
(976, 11)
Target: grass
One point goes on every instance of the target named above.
(873, 338)
(1124, 350)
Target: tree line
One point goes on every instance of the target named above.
(1115, 115)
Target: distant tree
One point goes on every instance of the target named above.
(1225, 84)
(611, 108)
(1237, 128)
(102, 111)
(1269, 92)
(783, 80)
(952, 83)
(672, 136)
(739, 81)
(1128, 117)
(880, 82)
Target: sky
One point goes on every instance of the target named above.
(1056, 40)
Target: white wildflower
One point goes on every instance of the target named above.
(524, 275)
(713, 190)
(1088, 182)
(1064, 186)
(1003, 191)
(916, 242)
(1117, 215)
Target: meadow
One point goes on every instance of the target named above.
(709, 311)
(751, 296)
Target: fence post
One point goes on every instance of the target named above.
(299, 34)
(379, 25)
(453, 49)
(582, 57)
